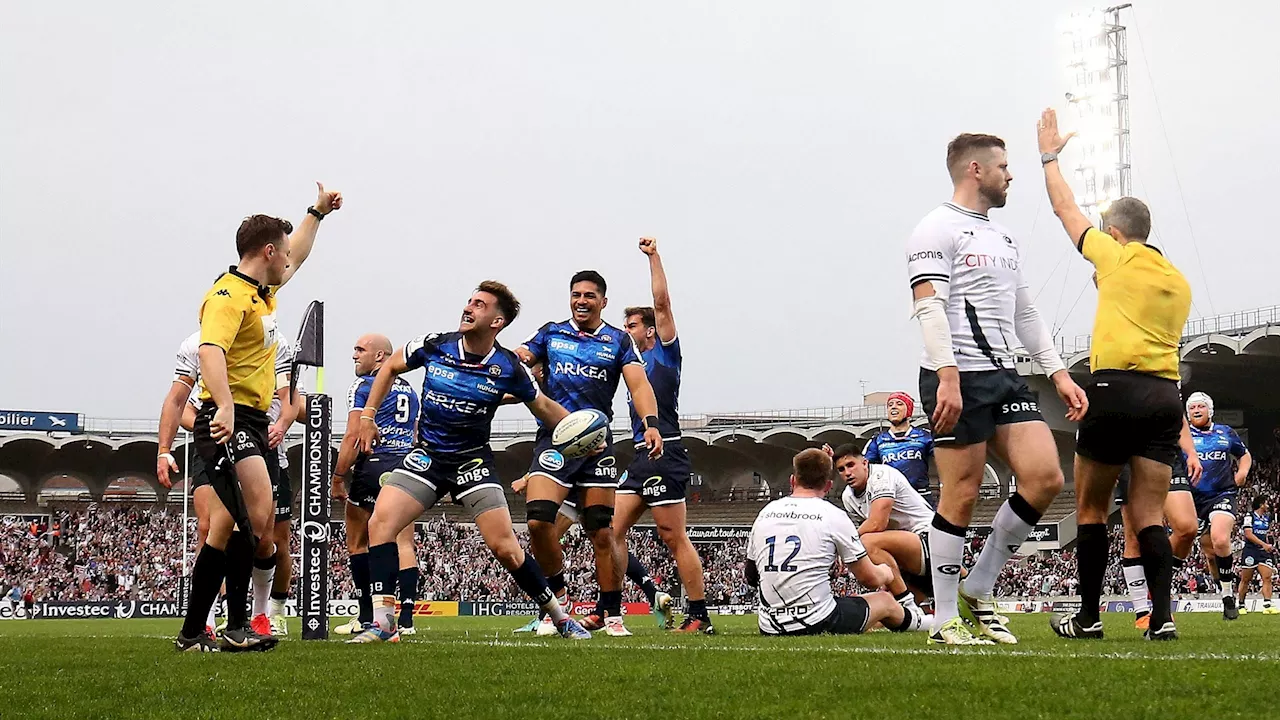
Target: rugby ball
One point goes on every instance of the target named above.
(580, 432)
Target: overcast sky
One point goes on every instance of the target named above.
(781, 152)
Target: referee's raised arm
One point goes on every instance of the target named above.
(1061, 198)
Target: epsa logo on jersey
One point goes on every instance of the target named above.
(551, 460)
(565, 345)
(417, 460)
(441, 372)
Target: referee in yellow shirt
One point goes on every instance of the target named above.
(238, 339)
(1135, 405)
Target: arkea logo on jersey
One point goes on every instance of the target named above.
(575, 370)
(458, 405)
(551, 460)
(900, 455)
(1212, 455)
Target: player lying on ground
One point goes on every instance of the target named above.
(793, 546)
(467, 376)
(357, 479)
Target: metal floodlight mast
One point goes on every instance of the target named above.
(1098, 75)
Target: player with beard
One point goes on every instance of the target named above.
(584, 359)
(974, 307)
(1226, 463)
(905, 448)
(358, 479)
(467, 377)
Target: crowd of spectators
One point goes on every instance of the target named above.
(110, 552)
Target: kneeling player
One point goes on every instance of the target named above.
(793, 545)
(1258, 554)
(357, 479)
(467, 376)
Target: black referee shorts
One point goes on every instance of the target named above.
(1178, 481)
(1131, 414)
(217, 466)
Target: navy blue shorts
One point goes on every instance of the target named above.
(658, 482)
(457, 475)
(596, 471)
(366, 479)
(1253, 555)
(1210, 505)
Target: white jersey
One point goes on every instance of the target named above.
(976, 263)
(187, 365)
(909, 512)
(794, 543)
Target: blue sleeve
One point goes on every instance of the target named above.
(629, 354)
(415, 353)
(872, 451)
(672, 349)
(522, 386)
(537, 344)
(1237, 445)
(358, 396)
(928, 446)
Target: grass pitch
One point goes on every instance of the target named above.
(475, 667)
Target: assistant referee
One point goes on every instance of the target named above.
(238, 338)
(1135, 405)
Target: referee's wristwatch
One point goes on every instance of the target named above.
(313, 212)
(1046, 158)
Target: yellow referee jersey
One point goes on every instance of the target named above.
(1143, 303)
(239, 316)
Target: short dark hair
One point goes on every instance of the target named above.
(1259, 501)
(645, 313)
(960, 150)
(843, 452)
(590, 276)
(1130, 216)
(812, 469)
(508, 305)
(259, 231)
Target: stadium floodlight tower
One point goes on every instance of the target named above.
(1098, 77)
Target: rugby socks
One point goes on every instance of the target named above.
(610, 603)
(384, 563)
(206, 578)
(1092, 546)
(360, 577)
(213, 616)
(1135, 579)
(264, 570)
(697, 609)
(408, 586)
(912, 618)
(278, 600)
(946, 547)
(239, 570)
(534, 584)
(640, 576)
(1226, 574)
(557, 585)
(1157, 563)
(1014, 522)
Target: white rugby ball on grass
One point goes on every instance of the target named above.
(580, 432)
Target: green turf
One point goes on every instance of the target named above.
(475, 667)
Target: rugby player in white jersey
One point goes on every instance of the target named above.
(179, 408)
(794, 544)
(892, 518)
(974, 309)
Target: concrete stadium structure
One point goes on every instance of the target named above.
(737, 456)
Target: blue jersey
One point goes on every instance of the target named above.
(396, 418)
(583, 368)
(1260, 524)
(1218, 447)
(908, 454)
(662, 364)
(461, 392)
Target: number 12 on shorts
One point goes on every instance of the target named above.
(772, 542)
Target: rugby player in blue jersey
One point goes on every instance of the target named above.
(584, 358)
(1225, 462)
(1259, 554)
(902, 447)
(356, 478)
(467, 376)
(661, 484)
